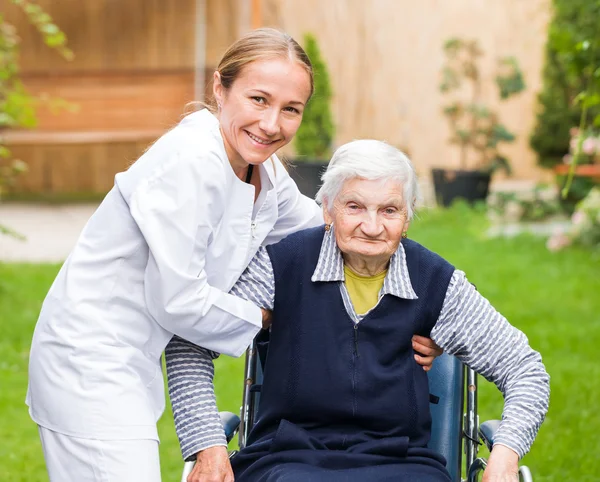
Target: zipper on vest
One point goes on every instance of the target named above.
(354, 368)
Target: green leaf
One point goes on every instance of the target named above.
(479, 110)
(31, 9)
(500, 133)
(450, 80)
(6, 231)
(50, 29)
(463, 135)
(315, 135)
(511, 80)
(452, 110)
(6, 120)
(500, 163)
(591, 100)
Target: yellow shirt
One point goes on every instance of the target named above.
(363, 290)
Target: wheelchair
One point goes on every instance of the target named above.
(455, 430)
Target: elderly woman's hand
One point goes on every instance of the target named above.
(503, 465)
(428, 350)
(212, 465)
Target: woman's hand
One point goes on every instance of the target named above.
(503, 465)
(266, 318)
(428, 350)
(212, 465)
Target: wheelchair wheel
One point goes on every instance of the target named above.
(525, 474)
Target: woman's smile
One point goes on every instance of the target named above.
(259, 140)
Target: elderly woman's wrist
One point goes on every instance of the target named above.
(208, 451)
(191, 454)
(505, 455)
(512, 442)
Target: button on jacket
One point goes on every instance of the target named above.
(156, 259)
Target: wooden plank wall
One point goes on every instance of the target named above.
(385, 59)
(132, 75)
(108, 35)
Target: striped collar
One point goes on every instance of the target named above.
(330, 267)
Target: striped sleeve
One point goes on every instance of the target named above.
(470, 328)
(190, 373)
(190, 369)
(257, 283)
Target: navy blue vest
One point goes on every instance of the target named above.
(331, 384)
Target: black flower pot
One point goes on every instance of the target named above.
(307, 175)
(451, 184)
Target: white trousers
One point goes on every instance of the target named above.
(72, 459)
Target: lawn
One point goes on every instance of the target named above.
(553, 297)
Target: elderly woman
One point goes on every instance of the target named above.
(343, 398)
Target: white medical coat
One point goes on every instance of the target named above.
(157, 258)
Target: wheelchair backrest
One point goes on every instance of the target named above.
(446, 382)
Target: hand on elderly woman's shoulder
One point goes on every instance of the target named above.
(427, 351)
(212, 465)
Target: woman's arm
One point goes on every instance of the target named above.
(470, 328)
(177, 209)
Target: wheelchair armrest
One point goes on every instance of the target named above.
(231, 424)
(487, 432)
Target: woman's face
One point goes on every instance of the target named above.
(369, 218)
(262, 109)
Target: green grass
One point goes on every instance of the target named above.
(553, 297)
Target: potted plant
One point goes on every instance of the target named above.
(476, 129)
(315, 135)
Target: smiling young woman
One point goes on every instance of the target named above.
(157, 259)
(154, 266)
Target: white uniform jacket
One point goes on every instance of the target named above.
(157, 258)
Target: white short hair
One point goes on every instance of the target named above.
(371, 160)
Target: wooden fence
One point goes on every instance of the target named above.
(132, 75)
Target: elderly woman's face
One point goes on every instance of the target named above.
(369, 218)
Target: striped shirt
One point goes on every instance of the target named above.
(468, 327)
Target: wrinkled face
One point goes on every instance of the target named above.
(262, 109)
(369, 218)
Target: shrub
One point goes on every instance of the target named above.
(572, 66)
(315, 135)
